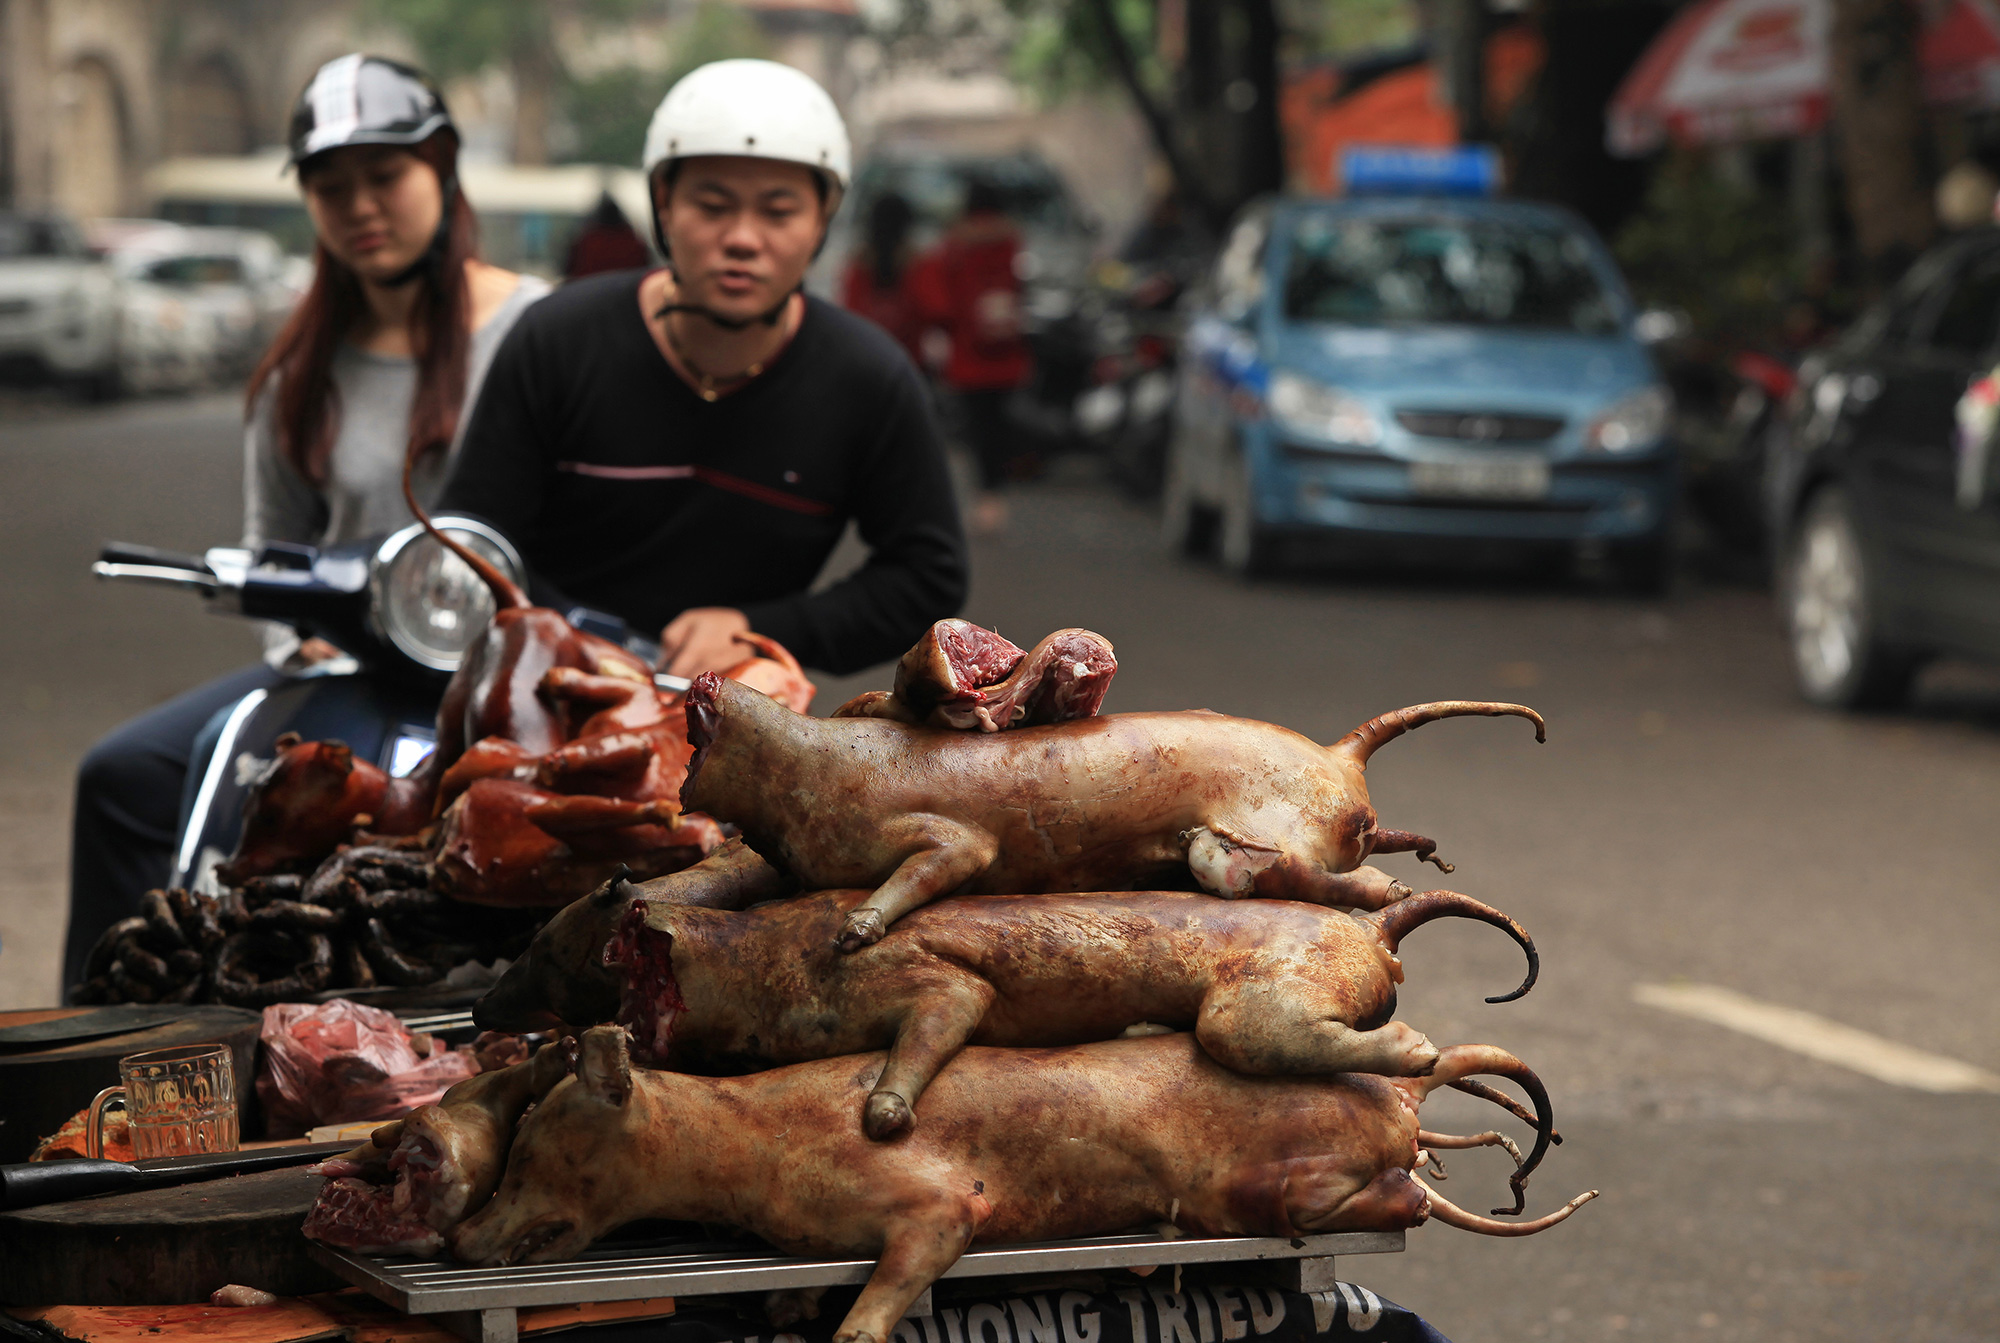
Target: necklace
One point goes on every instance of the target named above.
(708, 386)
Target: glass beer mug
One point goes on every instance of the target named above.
(177, 1101)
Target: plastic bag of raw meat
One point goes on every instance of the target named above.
(342, 1063)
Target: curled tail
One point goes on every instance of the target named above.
(1451, 1214)
(1505, 1102)
(507, 595)
(1460, 1061)
(1394, 922)
(1359, 744)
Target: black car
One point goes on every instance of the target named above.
(1883, 488)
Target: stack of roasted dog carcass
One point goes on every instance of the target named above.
(557, 763)
(927, 999)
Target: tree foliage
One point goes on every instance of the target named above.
(463, 37)
(609, 110)
(1351, 26)
(1061, 48)
(605, 111)
(1714, 248)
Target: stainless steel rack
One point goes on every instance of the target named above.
(480, 1304)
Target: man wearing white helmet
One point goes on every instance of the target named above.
(684, 446)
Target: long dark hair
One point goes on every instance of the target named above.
(302, 355)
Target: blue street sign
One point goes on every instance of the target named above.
(1402, 170)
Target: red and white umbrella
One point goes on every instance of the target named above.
(1727, 70)
(1959, 54)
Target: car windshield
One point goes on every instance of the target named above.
(196, 270)
(21, 236)
(1473, 272)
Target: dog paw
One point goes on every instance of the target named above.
(885, 1115)
(1411, 1052)
(862, 928)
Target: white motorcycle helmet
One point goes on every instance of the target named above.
(753, 109)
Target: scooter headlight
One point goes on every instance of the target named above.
(427, 601)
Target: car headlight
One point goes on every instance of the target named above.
(1633, 422)
(427, 601)
(1319, 411)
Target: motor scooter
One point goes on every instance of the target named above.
(1127, 414)
(401, 609)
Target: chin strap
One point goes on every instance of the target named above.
(707, 386)
(769, 318)
(433, 255)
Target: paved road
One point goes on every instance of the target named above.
(1687, 821)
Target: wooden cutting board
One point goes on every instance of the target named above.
(164, 1246)
(40, 1088)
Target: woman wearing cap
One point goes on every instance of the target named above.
(683, 447)
(387, 347)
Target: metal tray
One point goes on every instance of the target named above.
(480, 1303)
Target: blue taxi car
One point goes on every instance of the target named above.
(1417, 368)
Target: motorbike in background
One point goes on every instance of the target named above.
(401, 609)
(1127, 412)
(1729, 399)
(1725, 435)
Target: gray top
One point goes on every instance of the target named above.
(364, 494)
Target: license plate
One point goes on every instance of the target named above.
(1500, 478)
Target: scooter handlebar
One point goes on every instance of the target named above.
(126, 553)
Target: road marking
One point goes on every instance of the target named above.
(1816, 1037)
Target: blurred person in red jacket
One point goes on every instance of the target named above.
(876, 284)
(968, 286)
(607, 241)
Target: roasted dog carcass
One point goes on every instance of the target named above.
(315, 793)
(522, 829)
(534, 700)
(961, 676)
(1268, 986)
(1246, 808)
(415, 1180)
(561, 982)
(1019, 1145)
(512, 844)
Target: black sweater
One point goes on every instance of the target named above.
(627, 492)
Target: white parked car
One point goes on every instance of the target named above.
(198, 305)
(58, 304)
(234, 284)
(165, 342)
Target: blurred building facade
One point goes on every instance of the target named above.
(1096, 142)
(94, 92)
